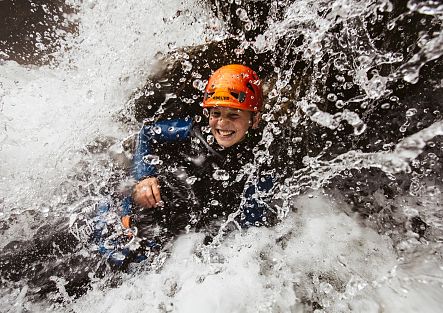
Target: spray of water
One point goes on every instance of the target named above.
(50, 113)
(320, 258)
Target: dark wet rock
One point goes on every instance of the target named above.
(30, 30)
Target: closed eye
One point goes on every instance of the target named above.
(215, 114)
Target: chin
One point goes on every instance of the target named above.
(225, 144)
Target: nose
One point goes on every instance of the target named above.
(222, 120)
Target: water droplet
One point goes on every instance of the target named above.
(267, 117)
(191, 180)
(339, 104)
(242, 14)
(157, 130)
(340, 79)
(332, 97)
(411, 112)
(152, 159)
(199, 84)
(359, 129)
(347, 85)
(386, 105)
(206, 129)
(210, 139)
(186, 66)
(282, 119)
(220, 175)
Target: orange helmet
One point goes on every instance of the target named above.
(234, 86)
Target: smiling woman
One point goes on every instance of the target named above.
(230, 126)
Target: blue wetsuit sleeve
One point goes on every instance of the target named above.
(255, 210)
(160, 132)
(149, 135)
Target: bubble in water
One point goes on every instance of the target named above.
(332, 97)
(339, 104)
(206, 129)
(340, 78)
(282, 119)
(157, 130)
(348, 85)
(386, 6)
(386, 105)
(411, 112)
(206, 112)
(186, 66)
(199, 84)
(198, 118)
(191, 180)
(214, 202)
(242, 14)
(359, 129)
(267, 117)
(220, 175)
(152, 159)
(249, 25)
(171, 129)
(210, 139)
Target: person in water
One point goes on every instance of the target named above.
(205, 168)
(189, 176)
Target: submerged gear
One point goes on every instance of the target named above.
(234, 86)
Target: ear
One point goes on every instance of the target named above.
(256, 117)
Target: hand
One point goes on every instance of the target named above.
(147, 193)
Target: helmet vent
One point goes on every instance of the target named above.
(208, 95)
(250, 87)
(240, 96)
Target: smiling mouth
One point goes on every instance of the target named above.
(225, 133)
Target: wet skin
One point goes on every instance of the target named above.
(229, 126)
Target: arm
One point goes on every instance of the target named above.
(147, 190)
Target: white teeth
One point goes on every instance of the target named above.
(225, 132)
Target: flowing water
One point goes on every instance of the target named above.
(369, 154)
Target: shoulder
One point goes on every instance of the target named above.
(168, 130)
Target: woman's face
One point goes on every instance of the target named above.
(229, 126)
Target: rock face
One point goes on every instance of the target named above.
(30, 30)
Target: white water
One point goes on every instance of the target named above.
(49, 113)
(319, 252)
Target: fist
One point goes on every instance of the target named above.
(147, 193)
